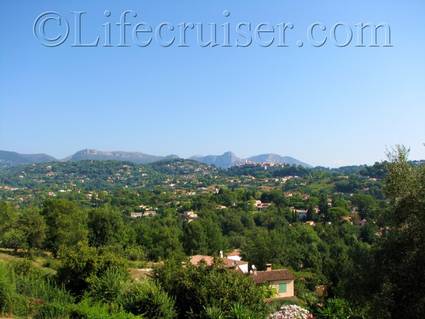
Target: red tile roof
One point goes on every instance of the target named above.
(261, 277)
(233, 263)
(196, 260)
(209, 261)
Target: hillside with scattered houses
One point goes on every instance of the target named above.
(175, 237)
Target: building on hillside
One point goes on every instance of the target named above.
(136, 214)
(241, 266)
(190, 216)
(260, 205)
(347, 219)
(198, 259)
(150, 213)
(221, 207)
(231, 262)
(281, 281)
(300, 213)
(234, 255)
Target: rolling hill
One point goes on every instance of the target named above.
(9, 159)
(224, 161)
(276, 159)
(133, 157)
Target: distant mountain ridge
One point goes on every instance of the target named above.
(229, 159)
(134, 157)
(226, 160)
(8, 159)
(277, 159)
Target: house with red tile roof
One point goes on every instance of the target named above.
(280, 280)
(228, 262)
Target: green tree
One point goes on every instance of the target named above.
(257, 249)
(161, 239)
(323, 204)
(334, 214)
(106, 227)
(34, 228)
(10, 234)
(195, 239)
(197, 290)
(66, 224)
(14, 238)
(80, 265)
(366, 204)
(214, 235)
(398, 276)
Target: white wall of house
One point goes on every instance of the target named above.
(235, 258)
(244, 268)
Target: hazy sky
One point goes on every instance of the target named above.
(326, 106)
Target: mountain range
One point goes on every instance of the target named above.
(226, 160)
(12, 158)
(230, 159)
(134, 157)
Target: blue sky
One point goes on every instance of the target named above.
(326, 106)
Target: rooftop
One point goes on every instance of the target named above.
(260, 277)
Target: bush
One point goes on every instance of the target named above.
(197, 289)
(22, 306)
(335, 309)
(134, 253)
(21, 266)
(292, 312)
(82, 264)
(42, 289)
(148, 299)
(52, 311)
(7, 290)
(109, 286)
(236, 312)
(87, 309)
(240, 312)
(10, 300)
(26, 290)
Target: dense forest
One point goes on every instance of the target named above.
(104, 239)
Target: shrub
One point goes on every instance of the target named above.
(21, 266)
(108, 287)
(7, 290)
(237, 311)
(41, 288)
(52, 311)
(240, 312)
(82, 264)
(335, 309)
(197, 289)
(87, 309)
(22, 306)
(26, 290)
(214, 313)
(292, 312)
(148, 299)
(134, 253)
